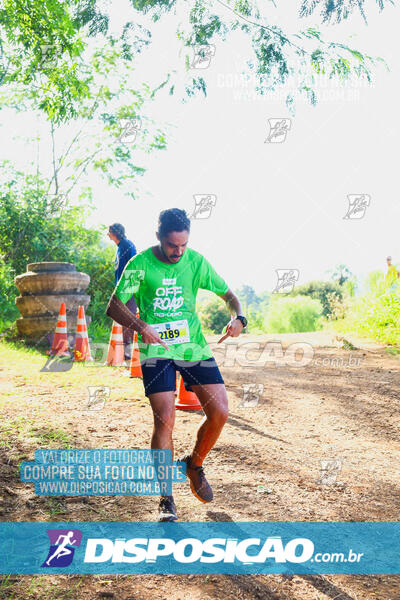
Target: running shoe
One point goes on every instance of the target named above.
(167, 510)
(198, 482)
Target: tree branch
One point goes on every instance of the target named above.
(282, 37)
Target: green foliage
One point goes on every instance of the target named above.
(40, 44)
(349, 286)
(289, 315)
(114, 130)
(264, 299)
(374, 281)
(147, 5)
(341, 273)
(214, 315)
(8, 291)
(99, 331)
(35, 227)
(98, 262)
(69, 27)
(255, 320)
(300, 311)
(393, 351)
(247, 296)
(339, 10)
(277, 58)
(337, 306)
(50, 62)
(377, 313)
(324, 291)
(254, 307)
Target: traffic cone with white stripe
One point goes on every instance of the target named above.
(82, 348)
(115, 355)
(187, 400)
(136, 369)
(59, 346)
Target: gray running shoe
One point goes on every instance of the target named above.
(167, 510)
(198, 482)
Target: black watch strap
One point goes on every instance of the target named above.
(243, 320)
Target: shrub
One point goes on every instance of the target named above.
(327, 292)
(377, 313)
(214, 316)
(293, 314)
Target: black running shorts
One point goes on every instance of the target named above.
(159, 374)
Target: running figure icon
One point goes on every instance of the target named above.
(62, 549)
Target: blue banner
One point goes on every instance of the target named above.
(183, 548)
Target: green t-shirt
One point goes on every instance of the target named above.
(166, 294)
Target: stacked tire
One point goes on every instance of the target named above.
(42, 289)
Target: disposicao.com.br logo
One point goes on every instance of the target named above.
(247, 551)
(190, 550)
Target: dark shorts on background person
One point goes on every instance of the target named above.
(159, 374)
(131, 304)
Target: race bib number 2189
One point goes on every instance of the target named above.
(173, 332)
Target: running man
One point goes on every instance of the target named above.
(164, 280)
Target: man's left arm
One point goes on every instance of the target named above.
(210, 280)
(235, 327)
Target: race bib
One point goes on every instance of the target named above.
(173, 332)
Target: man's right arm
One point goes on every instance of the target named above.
(120, 313)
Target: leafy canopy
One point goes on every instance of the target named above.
(43, 46)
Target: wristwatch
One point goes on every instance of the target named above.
(243, 320)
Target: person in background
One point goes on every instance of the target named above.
(392, 274)
(125, 251)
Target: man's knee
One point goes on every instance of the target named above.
(164, 419)
(220, 414)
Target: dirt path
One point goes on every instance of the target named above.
(342, 406)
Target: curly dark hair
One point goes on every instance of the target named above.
(172, 219)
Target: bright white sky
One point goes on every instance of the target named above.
(278, 205)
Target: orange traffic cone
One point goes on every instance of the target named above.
(82, 348)
(187, 400)
(136, 369)
(115, 355)
(59, 346)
